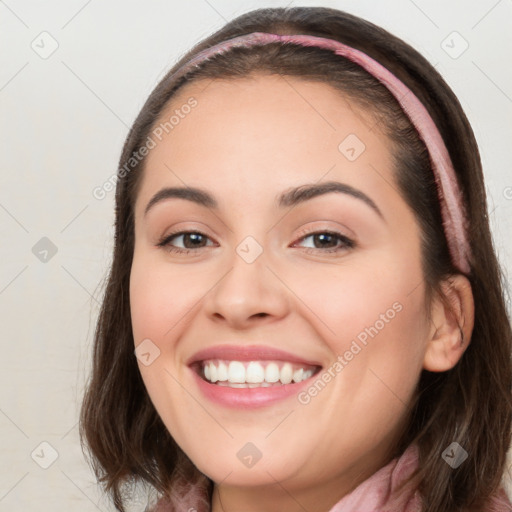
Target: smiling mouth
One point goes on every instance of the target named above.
(253, 374)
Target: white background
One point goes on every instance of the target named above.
(63, 121)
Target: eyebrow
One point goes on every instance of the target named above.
(290, 197)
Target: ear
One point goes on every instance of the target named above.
(452, 317)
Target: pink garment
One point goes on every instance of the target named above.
(372, 495)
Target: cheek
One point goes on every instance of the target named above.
(373, 321)
(361, 301)
(162, 302)
(161, 298)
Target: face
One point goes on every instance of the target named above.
(311, 305)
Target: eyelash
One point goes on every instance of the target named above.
(347, 243)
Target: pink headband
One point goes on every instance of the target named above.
(450, 197)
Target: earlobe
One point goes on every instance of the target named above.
(452, 324)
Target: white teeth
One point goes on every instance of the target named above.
(213, 373)
(245, 385)
(307, 374)
(286, 373)
(297, 375)
(272, 372)
(236, 372)
(254, 373)
(222, 371)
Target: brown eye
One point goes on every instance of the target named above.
(190, 240)
(328, 241)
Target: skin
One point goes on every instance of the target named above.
(247, 141)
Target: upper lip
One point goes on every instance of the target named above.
(248, 353)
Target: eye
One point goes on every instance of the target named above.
(328, 241)
(191, 240)
(323, 241)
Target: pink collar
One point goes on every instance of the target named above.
(372, 495)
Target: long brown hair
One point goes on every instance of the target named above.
(470, 404)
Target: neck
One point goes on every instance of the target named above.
(279, 496)
(274, 498)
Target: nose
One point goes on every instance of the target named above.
(247, 294)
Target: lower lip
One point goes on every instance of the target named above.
(248, 398)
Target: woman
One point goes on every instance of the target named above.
(272, 371)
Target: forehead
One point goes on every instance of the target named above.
(261, 97)
(261, 132)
